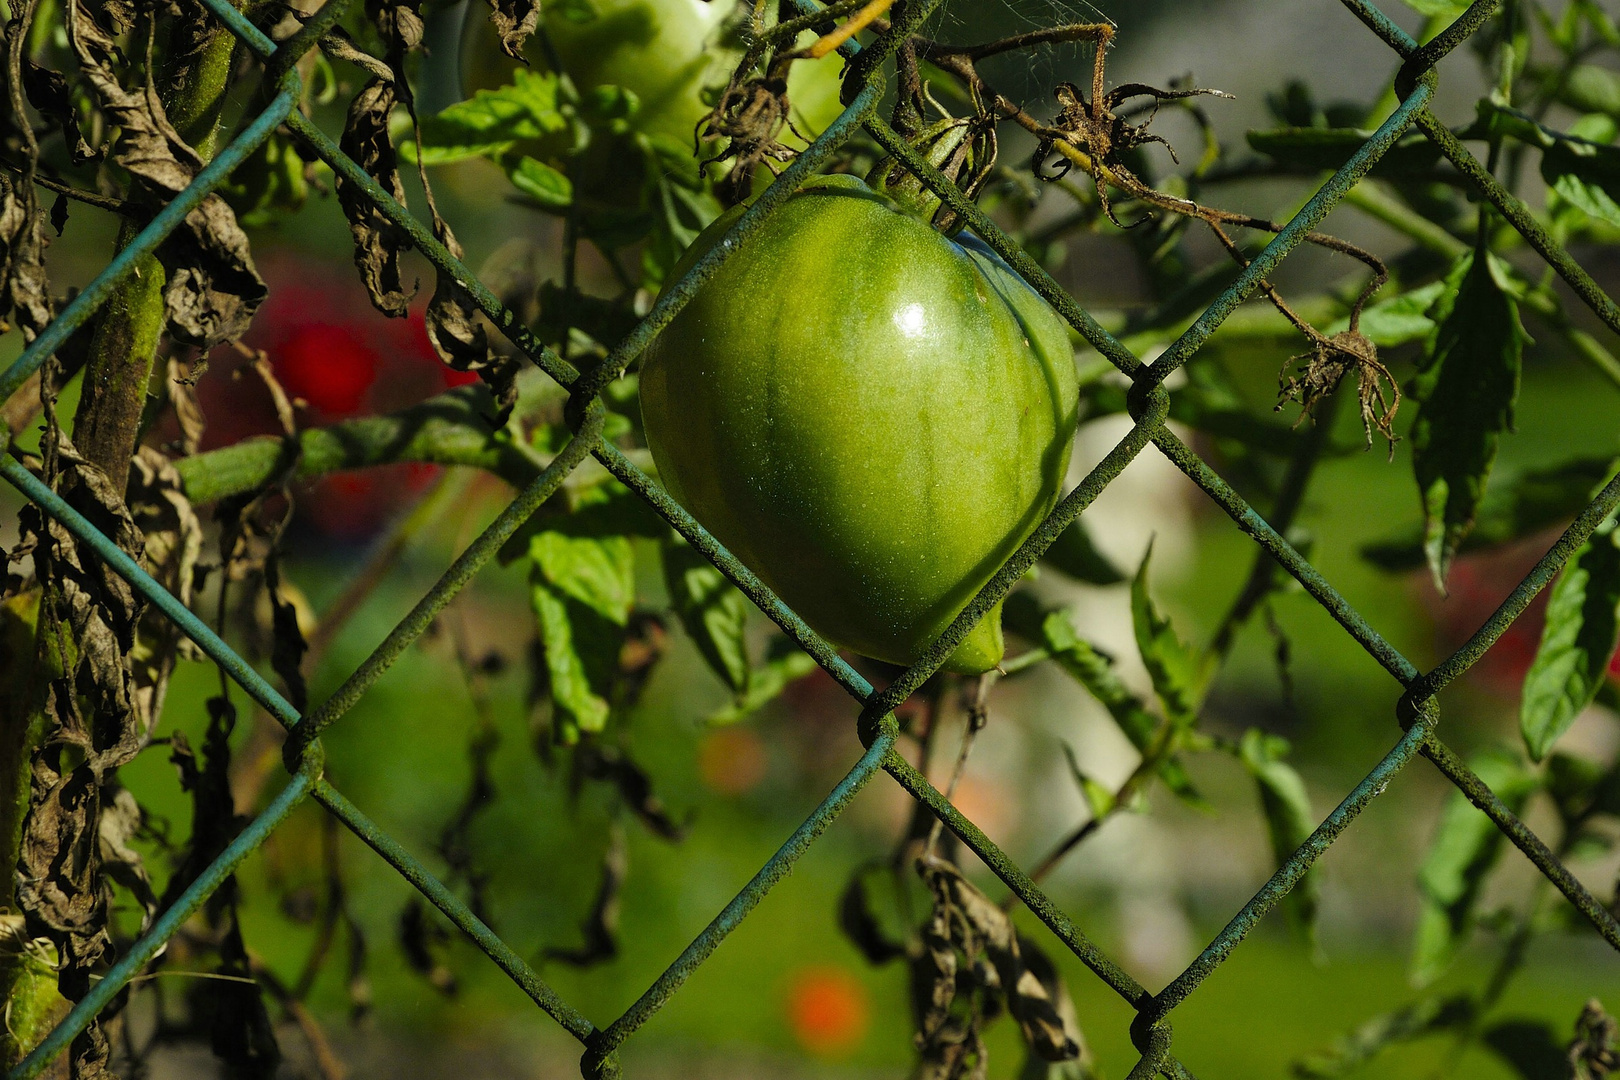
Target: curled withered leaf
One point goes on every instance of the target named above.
(1594, 1053)
(25, 294)
(601, 926)
(121, 822)
(596, 761)
(1325, 367)
(400, 24)
(456, 328)
(514, 21)
(48, 92)
(425, 942)
(967, 922)
(213, 287)
(174, 538)
(378, 242)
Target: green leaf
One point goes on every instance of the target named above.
(1094, 670)
(1398, 320)
(1448, 9)
(713, 611)
(545, 186)
(1514, 507)
(1586, 173)
(1100, 798)
(1289, 818)
(1592, 89)
(1578, 640)
(1468, 385)
(1074, 555)
(597, 571)
(491, 122)
(566, 643)
(1180, 674)
(787, 664)
(1328, 149)
(1466, 848)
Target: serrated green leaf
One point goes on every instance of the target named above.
(1100, 799)
(1398, 320)
(1465, 849)
(1578, 640)
(1289, 818)
(766, 683)
(1514, 507)
(546, 186)
(713, 611)
(1094, 670)
(491, 122)
(577, 706)
(1180, 674)
(599, 572)
(1468, 385)
(1074, 555)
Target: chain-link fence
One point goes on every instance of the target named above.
(1417, 713)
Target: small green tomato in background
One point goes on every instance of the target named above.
(871, 415)
(674, 55)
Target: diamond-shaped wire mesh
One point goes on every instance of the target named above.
(1149, 403)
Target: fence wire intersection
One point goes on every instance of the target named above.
(1417, 712)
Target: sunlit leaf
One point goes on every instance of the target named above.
(546, 186)
(787, 664)
(1466, 847)
(491, 122)
(1578, 640)
(597, 571)
(713, 611)
(1094, 670)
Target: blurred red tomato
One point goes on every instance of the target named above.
(827, 1009)
(334, 353)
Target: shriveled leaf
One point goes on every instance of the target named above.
(871, 912)
(1530, 1047)
(456, 329)
(600, 930)
(1578, 641)
(713, 611)
(1372, 1038)
(1289, 818)
(1468, 385)
(787, 664)
(1180, 673)
(1094, 670)
(491, 122)
(1595, 1052)
(1514, 507)
(212, 287)
(514, 21)
(378, 242)
(609, 764)
(1074, 555)
(1465, 849)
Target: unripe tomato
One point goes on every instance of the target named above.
(870, 415)
(674, 55)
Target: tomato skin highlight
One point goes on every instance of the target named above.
(871, 416)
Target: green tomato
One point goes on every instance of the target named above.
(870, 415)
(674, 55)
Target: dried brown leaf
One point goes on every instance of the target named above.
(378, 242)
(514, 21)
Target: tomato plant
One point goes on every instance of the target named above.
(871, 415)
